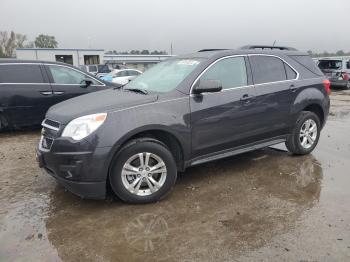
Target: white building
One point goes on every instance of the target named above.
(78, 57)
(71, 56)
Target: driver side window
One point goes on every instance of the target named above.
(65, 75)
(230, 71)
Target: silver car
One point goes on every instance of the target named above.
(337, 70)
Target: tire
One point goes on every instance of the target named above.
(299, 141)
(145, 185)
(347, 87)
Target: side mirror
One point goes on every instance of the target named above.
(86, 83)
(207, 86)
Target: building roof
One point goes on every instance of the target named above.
(62, 49)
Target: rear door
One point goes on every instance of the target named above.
(26, 93)
(68, 82)
(275, 85)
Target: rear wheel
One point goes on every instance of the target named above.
(144, 171)
(305, 135)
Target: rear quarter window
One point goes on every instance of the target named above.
(306, 62)
(21, 73)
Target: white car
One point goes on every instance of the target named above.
(121, 76)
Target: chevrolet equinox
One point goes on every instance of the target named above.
(182, 112)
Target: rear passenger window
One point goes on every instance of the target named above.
(291, 74)
(348, 65)
(230, 71)
(21, 73)
(267, 69)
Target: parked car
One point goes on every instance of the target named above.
(336, 70)
(182, 112)
(96, 70)
(122, 76)
(29, 88)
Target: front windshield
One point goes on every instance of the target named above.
(165, 76)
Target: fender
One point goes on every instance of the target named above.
(311, 95)
(185, 147)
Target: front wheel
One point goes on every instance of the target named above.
(144, 171)
(305, 134)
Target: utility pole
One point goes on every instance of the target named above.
(171, 48)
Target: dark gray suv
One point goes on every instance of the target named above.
(182, 112)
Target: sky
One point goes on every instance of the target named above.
(189, 25)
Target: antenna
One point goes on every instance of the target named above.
(274, 42)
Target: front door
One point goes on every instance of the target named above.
(68, 82)
(224, 119)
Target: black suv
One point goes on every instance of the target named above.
(182, 112)
(29, 88)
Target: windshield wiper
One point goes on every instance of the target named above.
(137, 90)
(119, 87)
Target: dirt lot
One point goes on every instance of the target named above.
(260, 206)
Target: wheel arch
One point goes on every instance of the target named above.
(164, 136)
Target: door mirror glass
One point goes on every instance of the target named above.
(86, 83)
(207, 86)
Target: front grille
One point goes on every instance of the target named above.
(51, 124)
(46, 142)
(49, 132)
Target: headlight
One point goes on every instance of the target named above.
(81, 127)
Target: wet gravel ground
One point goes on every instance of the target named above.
(261, 206)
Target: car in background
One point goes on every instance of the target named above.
(29, 88)
(122, 76)
(336, 70)
(97, 70)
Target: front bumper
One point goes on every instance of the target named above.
(84, 173)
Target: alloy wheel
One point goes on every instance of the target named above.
(144, 174)
(308, 133)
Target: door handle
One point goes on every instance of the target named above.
(58, 92)
(293, 88)
(46, 93)
(246, 98)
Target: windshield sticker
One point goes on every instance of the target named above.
(188, 62)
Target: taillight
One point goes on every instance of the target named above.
(327, 86)
(345, 76)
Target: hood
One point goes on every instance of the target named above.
(97, 102)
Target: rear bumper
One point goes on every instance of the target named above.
(338, 83)
(82, 173)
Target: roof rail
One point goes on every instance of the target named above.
(268, 47)
(214, 49)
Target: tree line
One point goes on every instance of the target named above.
(137, 52)
(9, 41)
(326, 54)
